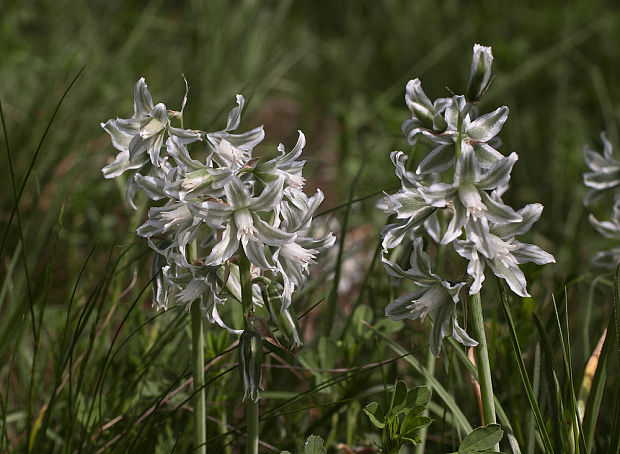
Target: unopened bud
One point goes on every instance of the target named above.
(419, 104)
(480, 73)
(285, 320)
(250, 363)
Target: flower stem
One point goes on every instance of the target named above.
(251, 409)
(198, 360)
(482, 362)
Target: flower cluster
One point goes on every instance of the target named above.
(216, 201)
(462, 178)
(604, 178)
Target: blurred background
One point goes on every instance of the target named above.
(335, 70)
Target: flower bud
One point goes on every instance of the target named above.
(419, 104)
(480, 73)
(250, 363)
(285, 320)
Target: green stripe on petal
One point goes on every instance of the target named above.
(487, 126)
(271, 235)
(237, 195)
(226, 247)
(438, 160)
(143, 102)
(269, 198)
(499, 173)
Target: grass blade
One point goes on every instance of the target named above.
(576, 429)
(596, 383)
(552, 383)
(34, 158)
(523, 372)
(330, 311)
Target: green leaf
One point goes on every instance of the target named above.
(399, 399)
(360, 313)
(415, 438)
(481, 439)
(314, 445)
(375, 414)
(328, 353)
(412, 424)
(418, 397)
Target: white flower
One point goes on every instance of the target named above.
(226, 200)
(234, 150)
(434, 296)
(284, 165)
(604, 175)
(504, 252)
(467, 196)
(238, 216)
(604, 178)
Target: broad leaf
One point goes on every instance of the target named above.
(418, 396)
(399, 399)
(411, 425)
(375, 414)
(481, 439)
(314, 445)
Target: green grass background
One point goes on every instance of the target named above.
(337, 71)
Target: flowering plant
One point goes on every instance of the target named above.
(227, 202)
(602, 179)
(461, 181)
(225, 222)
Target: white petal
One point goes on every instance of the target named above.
(225, 248)
(531, 253)
(499, 173)
(271, 235)
(143, 103)
(487, 126)
(269, 198)
(438, 160)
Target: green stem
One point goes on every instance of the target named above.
(482, 362)
(198, 360)
(251, 409)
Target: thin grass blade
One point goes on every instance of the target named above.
(540, 423)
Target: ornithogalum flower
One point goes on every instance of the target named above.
(604, 179)
(225, 203)
(458, 184)
(433, 295)
(503, 253)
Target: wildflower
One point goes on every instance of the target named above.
(226, 201)
(250, 361)
(604, 178)
(503, 253)
(467, 196)
(481, 227)
(604, 175)
(433, 296)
